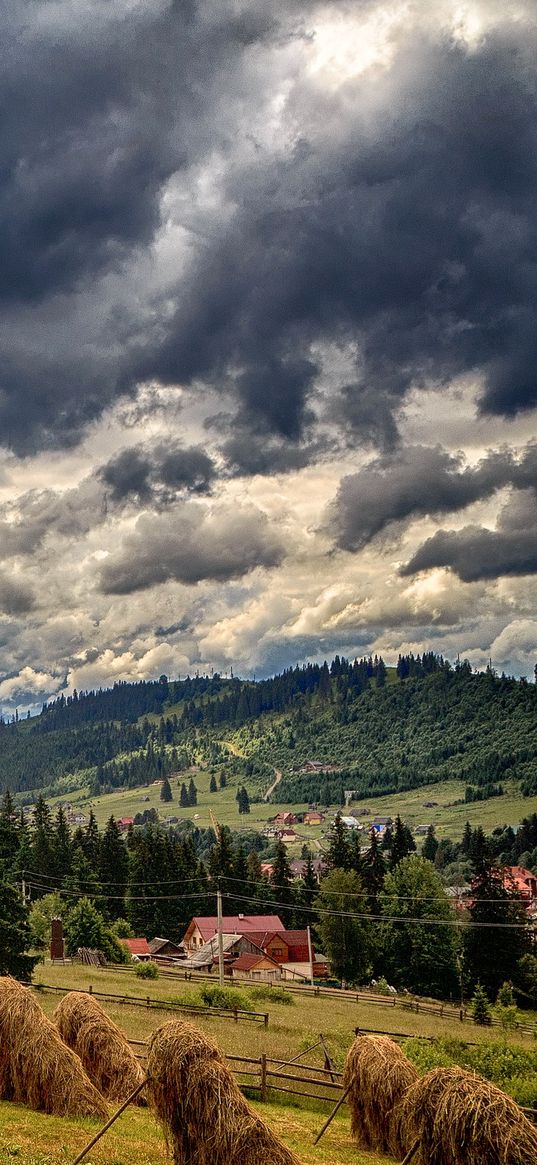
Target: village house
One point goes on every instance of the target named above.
(257, 966)
(288, 836)
(77, 818)
(284, 819)
(164, 950)
(299, 865)
(201, 929)
(138, 948)
(313, 817)
(124, 823)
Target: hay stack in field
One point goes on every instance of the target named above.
(36, 1067)
(205, 1116)
(105, 1053)
(461, 1119)
(379, 1074)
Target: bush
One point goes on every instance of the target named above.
(148, 970)
(273, 995)
(512, 1068)
(226, 997)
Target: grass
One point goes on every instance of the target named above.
(30, 1138)
(290, 1029)
(35, 1139)
(448, 818)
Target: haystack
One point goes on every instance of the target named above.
(36, 1067)
(379, 1074)
(461, 1119)
(206, 1118)
(105, 1053)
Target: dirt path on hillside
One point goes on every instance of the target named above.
(269, 792)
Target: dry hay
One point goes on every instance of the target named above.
(36, 1067)
(105, 1053)
(461, 1119)
(379, 1074)
(205, 1116)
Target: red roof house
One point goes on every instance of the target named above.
(201, 930)
(138, 948)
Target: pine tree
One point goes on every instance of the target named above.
(183, 797)
(9, 837)
(212, 784)
(481, 1009)
(281, 883)
(166, 791)
(244, 801)
(430, 845)
(373, 872)
(92, 840)
(402, 843)
(61, 845)
(222, 779)
(113, 868)
(338, 855)
(16, 937)
(192, 793)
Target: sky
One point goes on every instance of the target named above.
(268, 381)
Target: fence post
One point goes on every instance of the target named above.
(265, 1019)
(263, 1083)
(235, 1016)
(90, 989)
(148, 1001)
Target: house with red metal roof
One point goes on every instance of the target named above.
(201, 929)
(138, 948)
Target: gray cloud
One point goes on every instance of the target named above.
(158, 471)
(400, 220)
(417, 481)
(479, 553)
(189, 544)
(16, 595)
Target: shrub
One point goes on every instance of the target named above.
(148, 970)
(512, 1068)
(273, 995)
(505, 997)
(226, 997)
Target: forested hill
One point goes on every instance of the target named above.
(372, 729)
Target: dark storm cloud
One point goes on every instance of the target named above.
(401, 221)
(16, 596)
(479, 553)
(418, 481)
(167, 468)
(249, 453)
(409, 229)
(190, 544)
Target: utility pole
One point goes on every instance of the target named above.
(310, 953)
(220, 936)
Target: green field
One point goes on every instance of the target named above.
(136, 1139)
(448, 818)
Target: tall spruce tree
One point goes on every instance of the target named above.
(166, 794)
(281, 883)
(14, 935)
(338, 854)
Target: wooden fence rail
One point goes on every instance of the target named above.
(408, 1003)
(265, 1079)
(235, 1013)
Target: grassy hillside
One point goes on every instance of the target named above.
(426, 732)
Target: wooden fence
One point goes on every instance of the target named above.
(408, 1003)
(235, 1013)
(267, 1076)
